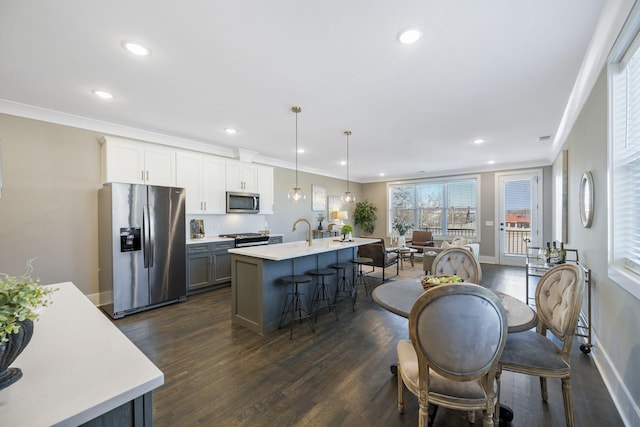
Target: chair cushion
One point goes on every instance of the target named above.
(554, 299)
(527, 351)
(408, 368)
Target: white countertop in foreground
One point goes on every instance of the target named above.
(298, 249)
(77, 366)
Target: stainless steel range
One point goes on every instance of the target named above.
(242, 240)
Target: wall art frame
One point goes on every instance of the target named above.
(318, 198)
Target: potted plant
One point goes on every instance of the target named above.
(365, 216)
(401, 227)
(20, 299)
(320, 218)
(346, 231)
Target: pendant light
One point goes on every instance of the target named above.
(296, 195)
(348, 196)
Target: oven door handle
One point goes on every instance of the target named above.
(244, 245)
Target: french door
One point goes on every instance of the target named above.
(519, 207)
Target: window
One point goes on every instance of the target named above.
(624, 170)
(446, 208)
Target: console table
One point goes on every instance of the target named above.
(321, 234)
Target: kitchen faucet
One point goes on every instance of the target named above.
(308, 223)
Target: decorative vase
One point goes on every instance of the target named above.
(11, 349)
(320, 225)
(402, 241)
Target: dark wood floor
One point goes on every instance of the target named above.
(219, 374)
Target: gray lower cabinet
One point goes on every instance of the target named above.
(208, 266)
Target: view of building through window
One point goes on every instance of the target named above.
(517, 220)
(446, 208)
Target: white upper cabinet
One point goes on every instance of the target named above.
(189, 177)
(213, 184)
(265, 188)
(241, 177)
(203, 176)
(135, 162)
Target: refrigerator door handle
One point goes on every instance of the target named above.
(146, 220)
(152, 235)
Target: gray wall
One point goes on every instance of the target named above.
(48, 209)
(285, 212)
(616, 313)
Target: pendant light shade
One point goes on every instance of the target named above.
(296, 195)
(348, 196)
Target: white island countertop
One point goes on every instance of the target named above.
(282, 251)
(77, 366)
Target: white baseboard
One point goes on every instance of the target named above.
(627, 407)
(488, 259)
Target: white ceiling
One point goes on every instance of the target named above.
(502, 70)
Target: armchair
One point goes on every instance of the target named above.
(420, 240)
(378, 253)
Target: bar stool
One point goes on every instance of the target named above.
(361, 278)
(344, 285)
(322, 294)
(294, 302)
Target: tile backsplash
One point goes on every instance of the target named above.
(215, 225)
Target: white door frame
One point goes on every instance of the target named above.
(536, 216)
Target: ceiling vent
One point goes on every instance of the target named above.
(545, 138)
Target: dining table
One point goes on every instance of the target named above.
(399, 296)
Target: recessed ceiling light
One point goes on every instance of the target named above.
(102, 94)
(230, 131)
(342, 163)
(478, 141)
(136, 48)
(300, 150)
(381, 174)
(409, 35)
(491, 162)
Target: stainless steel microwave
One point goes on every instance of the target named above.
(247, 203)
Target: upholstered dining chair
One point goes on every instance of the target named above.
(457, 261)
(558, 301)
(457, 334)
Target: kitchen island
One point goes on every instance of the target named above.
(79, 368)
(257, 294)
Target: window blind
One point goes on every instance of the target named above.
(625, 164)
(446, 208)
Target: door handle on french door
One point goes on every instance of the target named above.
(145, 235)
(152, 234)
(149, 236)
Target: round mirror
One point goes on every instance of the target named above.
(586, 199)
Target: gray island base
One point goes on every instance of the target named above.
(258, 294)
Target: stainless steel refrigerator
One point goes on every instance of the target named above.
(141, 232)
